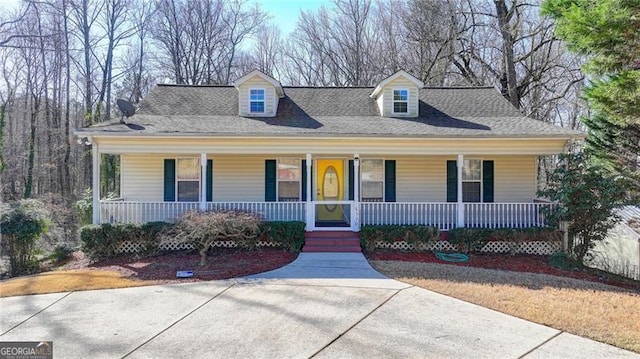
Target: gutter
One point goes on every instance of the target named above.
(85, 134)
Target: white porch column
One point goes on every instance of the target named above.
(355, 217)
(203, 181)
(310, 218)
(460, 164)
(96, 183)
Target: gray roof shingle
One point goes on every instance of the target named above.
(329, 111)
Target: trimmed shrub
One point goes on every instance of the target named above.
(288, 235)
(201, 229)
(561, 260)
(469, 239)
(22, 223)
(61, 253)
(102, 241)
(473, 239)
(421, 237)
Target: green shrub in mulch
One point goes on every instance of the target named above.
(420, 237)
(287, 235)
(103, 240)
(473, 239)
(22, 223)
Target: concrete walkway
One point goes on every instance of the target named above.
(322, 305)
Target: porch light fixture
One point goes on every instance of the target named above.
(84, 140)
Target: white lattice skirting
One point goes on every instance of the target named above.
(537, 248)
(132, 247)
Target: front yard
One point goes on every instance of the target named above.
(129, 271)
(581, 302)
(583, 307)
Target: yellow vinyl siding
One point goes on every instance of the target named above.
(270, 98)
(515, 178)
(142, 177)
(238, 178)
(424, 179)
(241, 177)
(420, 179)
(387, 97)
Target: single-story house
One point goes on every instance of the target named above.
(336, 158)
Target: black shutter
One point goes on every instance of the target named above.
(351, 180)
(169, 180)
(487, 181)
(209, 179)
(452, 181)
(304, 180)
(390, 181)
(270, 179)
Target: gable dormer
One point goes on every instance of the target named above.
(258, 94)
(398, 95)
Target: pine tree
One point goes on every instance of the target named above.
(607, 33)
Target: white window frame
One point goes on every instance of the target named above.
(278, 178)
(481, 180)
(394, 101)
(264, 100)
(362, 179)
(199, 179)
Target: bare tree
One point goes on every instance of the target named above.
(201, 40)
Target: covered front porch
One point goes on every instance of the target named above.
(345, 192)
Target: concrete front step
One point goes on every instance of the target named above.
(331, 241)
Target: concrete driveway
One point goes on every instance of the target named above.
(322, 305)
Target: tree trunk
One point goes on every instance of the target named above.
(510, 85)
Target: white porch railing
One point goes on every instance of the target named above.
(441, 215)
(505, 215)
(270, 211)
(140, 212)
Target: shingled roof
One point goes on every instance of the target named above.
(328, 111)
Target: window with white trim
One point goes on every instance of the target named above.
(188, 179)
(372, 180)
(401, 101)
(289, 179)
(256, 100)
(472, 181)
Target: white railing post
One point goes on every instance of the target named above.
(203, 181)
(355, 207)
(96, 183)
(460, 164)
(309, 220)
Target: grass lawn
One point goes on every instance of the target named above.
(590, 309)
(67, 280)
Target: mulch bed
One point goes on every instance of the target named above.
(223, 264)
(517, 263)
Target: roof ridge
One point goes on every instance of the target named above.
(188, 85)
(458, 87)
(336, 87)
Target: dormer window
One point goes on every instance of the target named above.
(398, 95)
(258, 94)
(256, 100)
(400, 101)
